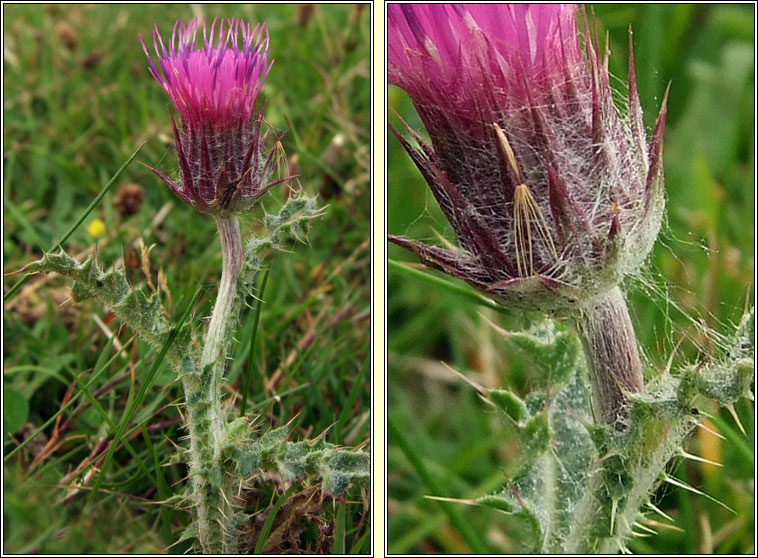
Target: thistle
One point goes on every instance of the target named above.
(224, 170)
(215, 89)
(554, 195)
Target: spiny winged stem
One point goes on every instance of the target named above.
(612, 355)
(212, 498)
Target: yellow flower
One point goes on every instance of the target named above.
(96, 229)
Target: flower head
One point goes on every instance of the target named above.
(554, 195)
(214, 84)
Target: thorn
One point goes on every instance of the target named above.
(664, 525)
(223, 495)
(494, 326)
(453, 500)
(698, 458)
(324, 432)
(645, 528)
(671, 357)
(290, 421)
(685, 486)
(479, 388)
(614, 506)
(515, 493)
(622, 548)
(659, 511)
(704, 427)
(606, 51)
(732, 412)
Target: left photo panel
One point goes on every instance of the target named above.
(187, 279)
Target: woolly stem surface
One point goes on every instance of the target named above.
(211, 490)
(214, 350)
(613, 359)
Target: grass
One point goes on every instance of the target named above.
(78, 102)
(443, 440)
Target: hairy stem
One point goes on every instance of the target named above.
(612, 355)
(212, 497)
(214, 351)
(595, 529)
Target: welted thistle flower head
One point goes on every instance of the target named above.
(214, 89)
(554, 195)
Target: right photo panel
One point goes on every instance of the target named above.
(570, 279)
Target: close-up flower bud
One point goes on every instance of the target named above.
(553, 193)
(214, 89)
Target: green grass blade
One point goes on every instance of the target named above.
(360, 543)
(467, 531)
(251, 356)
(348, 405)
(165, 515)
(736, 439)
(140, 395)
(14, 289)
(431, 279)
(338, 546)
(106, 417)
(260, 543)
(279, 396)
(33, 368)
(23, 221)
(71, 401)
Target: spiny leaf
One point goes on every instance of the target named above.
(551, 347)
(313, 460)
(509, 403)
(557, 452)
(144, 315)
(291, 221)
(581, 485)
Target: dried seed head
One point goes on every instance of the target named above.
(67, 36)
(553, 193)
(91, 60)
(128, 199)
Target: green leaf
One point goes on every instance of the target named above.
(132, 306)
(263, 535)
(557, 451)
(15, 410)
(313, 460)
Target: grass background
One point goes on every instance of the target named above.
(443, 441)
(78, 101)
